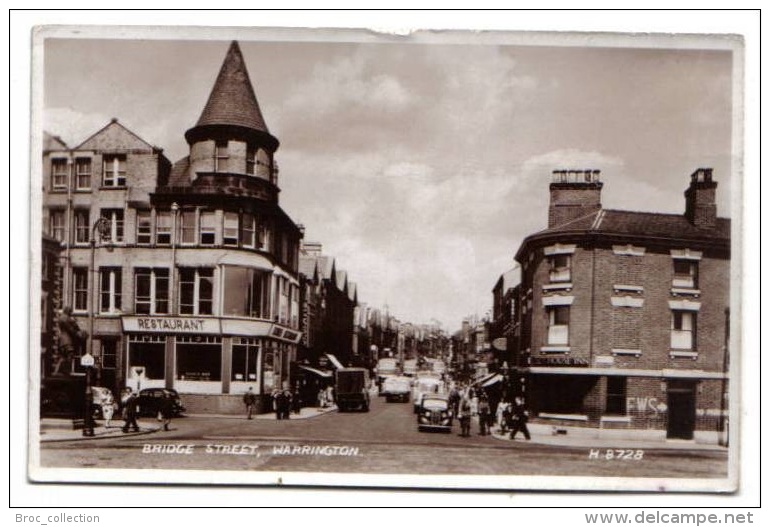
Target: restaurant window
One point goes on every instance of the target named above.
(616, 396)
(683, 330)
(115, 219)
(82, 227)
(143, 227)
(163, 226)
(110, 289)
(188, 227)
(151, 290)
(80, 289)
(685, 273)
(198, 358)
(59, 174)
(558, 325)
(248, 230)
(247, 292)
(245, 362)
(56, 224)
(220, 156)
(149, 353)
(196, 291)
(208, 228)
(83, 173)
(114, 174)
(230, 231)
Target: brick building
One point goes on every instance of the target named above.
(623, 316)
(185, 275)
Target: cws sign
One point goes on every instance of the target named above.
(178, 325)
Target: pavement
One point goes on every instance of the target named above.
(55, 430)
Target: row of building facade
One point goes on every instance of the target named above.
(190, 275)
(618, 319)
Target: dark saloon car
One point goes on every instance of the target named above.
(434, 414)
(151, 401)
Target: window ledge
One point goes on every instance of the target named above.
(615, 419)
(677, 291)
(566, 417)
(555, 349)
(628, 288)
(623, 351)
(683, 354)
(558, 286)
(113, 188)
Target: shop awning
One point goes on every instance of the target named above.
(492, 380)
(325, 374)
(484, 378)
(337, 364)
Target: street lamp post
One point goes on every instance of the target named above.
(102, 226)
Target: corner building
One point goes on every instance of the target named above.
(196, 287)
(624, 316)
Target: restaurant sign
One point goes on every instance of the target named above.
(179, 325)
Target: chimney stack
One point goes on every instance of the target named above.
(574, 194)
(700, 199)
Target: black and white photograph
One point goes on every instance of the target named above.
(499, 260)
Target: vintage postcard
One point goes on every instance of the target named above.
(442, 260)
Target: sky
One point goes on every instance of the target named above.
(422, 167)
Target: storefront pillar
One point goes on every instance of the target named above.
(169, 360)
(227, 363)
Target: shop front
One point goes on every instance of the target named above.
(210, 361)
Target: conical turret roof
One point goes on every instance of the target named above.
(232, 100)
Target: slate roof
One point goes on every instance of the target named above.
(232, 100)
(180, 173)
(645, 224)
(307, 265)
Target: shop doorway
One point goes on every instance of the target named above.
(681, 410)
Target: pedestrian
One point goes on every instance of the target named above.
(519, 418)
(287, 403)
(465, 417)
(321, 398)
(483, 410)
(166, 410)
(108, 411)
(130, 410)
(503, 415)
(250, 400)
(454, 401)
(278, 403)
(124, 395)
(296, 401)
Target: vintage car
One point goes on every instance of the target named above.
(397, 389)
(151, 401)
(425, 385)
(434, 414)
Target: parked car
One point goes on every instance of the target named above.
(151, 401)
(434, 414)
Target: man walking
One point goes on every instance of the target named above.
(250, 400)
(129, 413)
(483, 413)
(519, 417)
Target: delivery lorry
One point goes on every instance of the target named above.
(351, 389)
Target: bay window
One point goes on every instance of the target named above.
(59, 174)
(248, 230)
(230, 231)
(208, 228)
(247, 292)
